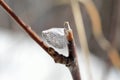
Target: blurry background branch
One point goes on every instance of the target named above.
(98, 33)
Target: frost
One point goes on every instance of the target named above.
(55, 37)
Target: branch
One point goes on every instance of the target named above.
(98, 33)
(74, 67)
(54, 54)
(70, 61)
(81, 33)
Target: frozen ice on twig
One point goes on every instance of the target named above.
(55, 37)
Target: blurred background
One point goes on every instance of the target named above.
(22, 59)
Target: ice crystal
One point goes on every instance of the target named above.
(55, 37)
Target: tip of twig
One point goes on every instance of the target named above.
(67, 25)
(68, 31)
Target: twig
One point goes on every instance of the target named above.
(62, 59)
(98, 33)
(81, 33)
(74, 68)
(70, 61)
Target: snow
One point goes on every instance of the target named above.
(22, 59)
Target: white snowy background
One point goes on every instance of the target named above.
(22, 59)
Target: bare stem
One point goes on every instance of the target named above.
(54, 54)
(81, 33)
(74, 67)
(27, 28)
(70, 61)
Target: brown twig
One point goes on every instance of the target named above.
(70, 61)
(81, 33)
(74, 68)
(62, 59)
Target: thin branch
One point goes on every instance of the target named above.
(81, 33)
(74, 67)
(26, 27)
(70, 61)
(98, 33)
(54, 54)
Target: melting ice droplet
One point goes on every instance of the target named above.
(55, 37)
